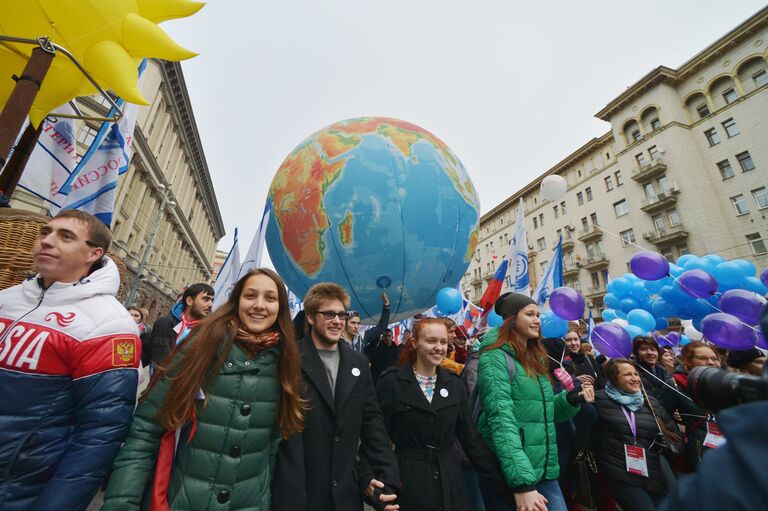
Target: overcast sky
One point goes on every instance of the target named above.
(512, 87)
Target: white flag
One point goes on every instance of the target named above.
(52, 160)
(519, 280)
(227, 277)
(92, 187)
(553, 276)
(256, 251)
(295, 303)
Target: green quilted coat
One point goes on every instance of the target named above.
(518, 418)
(229, 463)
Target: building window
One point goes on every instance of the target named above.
(580, 198)
(584, 224)
(562, 207)
(541, 243)
(608, 184)
(730, 128)
(590, 250)
(729, 95)
(664, 185)
(589, 193)
(86, 136)
(658, 223)
(667, 253)
(556, 209)
(761, 197)
(712, 137)
(535, 223)
(654, 153)
(636, 135)
(740, 205)
(486, 249)
(595, 279)
(650, 192)
(725, 169)
(757, 243)
(640, 158)
(745, 160)
(627, 237)
(541, 219)
(593, 217)
(620, 208)
(682, 249)
(674, 218)
(655, 123)
(760, 78)
(702, 110)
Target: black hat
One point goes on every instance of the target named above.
(509, 304)
(739, 358)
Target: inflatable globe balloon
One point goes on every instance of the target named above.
(373, 204)
(553, 187)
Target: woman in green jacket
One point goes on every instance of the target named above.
(206, 432)
(519, 407)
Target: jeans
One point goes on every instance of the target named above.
(633, 498)
(549, 489)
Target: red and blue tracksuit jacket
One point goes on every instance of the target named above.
(69, 367)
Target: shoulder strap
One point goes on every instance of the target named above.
(510, 366)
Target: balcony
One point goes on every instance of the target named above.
(649, 171)
(567, 244)
(596, 262)
(666, 236)
(592, 233)
(475, 280)
(571, 269)
(595, 292)
(661, 201)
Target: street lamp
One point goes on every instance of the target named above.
(145, 256)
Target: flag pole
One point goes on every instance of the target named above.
(18, 161)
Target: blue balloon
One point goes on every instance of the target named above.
(610, 287)
(662, 308)
(684, 339)
(634, 331)
(612, 301)
(620, 313)
(449, 300)
(494, 319)
(674, 295)
(641, 319)
(621, 286)
(747, 268)
(729, 273)
(631, 278)
(553, 326)
(638, 291)
(684, 259)
(714, 259)
(661, 324)
(654, 286)
(627, 304)
(755, 285)
(697, 323)
(609, 315)
(699, 264)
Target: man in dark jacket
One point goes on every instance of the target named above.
(69, 358)
(316, 469)
(195, 304)
(646, 353)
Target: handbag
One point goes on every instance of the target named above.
(584, 486)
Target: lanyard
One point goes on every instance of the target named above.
(630, 415)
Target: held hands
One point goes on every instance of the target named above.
(586, 378)
(531, 501)
(587, 393)
(380, 500)
(385, 299)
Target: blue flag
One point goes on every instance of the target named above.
(553, 276)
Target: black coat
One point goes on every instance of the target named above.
(654, 386)
(424, 434)
(586, 364)
(163, 337)
(316, 469)
(614, 433)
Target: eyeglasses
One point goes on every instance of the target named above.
(329, 315)
(706, 359)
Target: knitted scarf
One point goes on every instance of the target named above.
(254, 344)
(630, 400)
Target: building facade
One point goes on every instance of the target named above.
(167, 159)
(683, 169)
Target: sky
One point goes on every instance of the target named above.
(511, 87)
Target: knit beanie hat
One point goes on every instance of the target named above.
(509, 304)
(739, 358)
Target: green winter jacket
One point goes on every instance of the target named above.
(518, 418)
(228, 464)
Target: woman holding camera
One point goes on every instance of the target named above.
(633, 430)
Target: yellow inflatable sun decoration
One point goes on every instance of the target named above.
(108, 37)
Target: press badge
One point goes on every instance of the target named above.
(714, 438)
(634, 457)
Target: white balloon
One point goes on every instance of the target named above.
(686, 322)
(694, 334)
(553, 187)
(621, 322)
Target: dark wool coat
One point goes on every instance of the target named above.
(424, 433)
(316, 469)
(614, 433)
(586, 364)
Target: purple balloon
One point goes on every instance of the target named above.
(673, 337)
(764, 277)
(761, 341)
(612, 340)
(567, 303)
(649, 265)
(698, 284)
(743, 304)
(728, 331)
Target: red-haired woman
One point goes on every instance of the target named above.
(520, 409)
(426, 412)
(226, 396)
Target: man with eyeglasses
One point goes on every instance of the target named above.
(69, 358)
(318, 469)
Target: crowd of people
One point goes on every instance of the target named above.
(249, 409)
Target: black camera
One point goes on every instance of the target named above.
(714, 389)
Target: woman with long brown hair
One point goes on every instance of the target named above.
(207, 428)
(520, 408)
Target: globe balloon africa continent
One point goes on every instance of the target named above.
(373, 204)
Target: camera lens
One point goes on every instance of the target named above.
(714, 389)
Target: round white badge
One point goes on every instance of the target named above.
(355, 371)
(444, 392)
